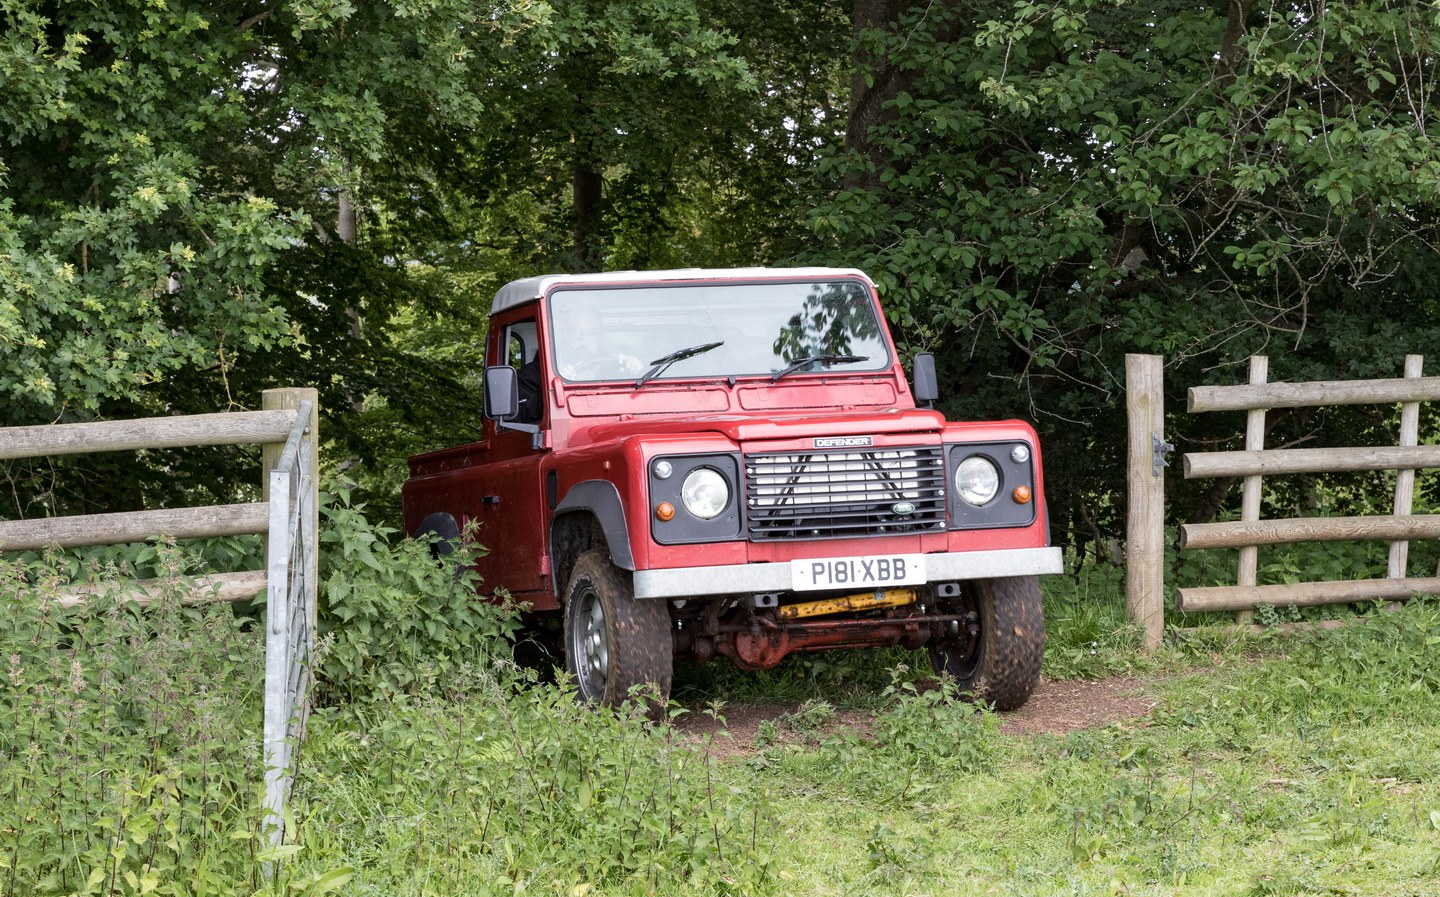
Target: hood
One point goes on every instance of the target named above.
(741, 429)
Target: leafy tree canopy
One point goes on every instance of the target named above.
(1049, 186)
(202, 199)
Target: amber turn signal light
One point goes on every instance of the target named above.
(665, 511)
(1021, 495)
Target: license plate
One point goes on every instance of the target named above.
(868, 572)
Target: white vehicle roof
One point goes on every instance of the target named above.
(521, 291)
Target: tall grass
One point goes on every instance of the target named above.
(129, 741)
(129, 760)
(490, 790)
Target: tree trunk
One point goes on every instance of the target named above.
(588, 186)
(874, 82)
(1231, 54)
(347, 229)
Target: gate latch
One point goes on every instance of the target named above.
(1159, 448)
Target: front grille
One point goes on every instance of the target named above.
(816, 495)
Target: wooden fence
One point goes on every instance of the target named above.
(1145, 575)
(287, 428)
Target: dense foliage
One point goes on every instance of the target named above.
(129, 740)
(394, 621)
(201, 200)
(1055, 185)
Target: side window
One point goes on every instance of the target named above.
(521, 346)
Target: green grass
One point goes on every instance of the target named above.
(1303, 765)
(1273, 764)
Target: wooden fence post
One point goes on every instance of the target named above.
(1250, 494)
(1145, 525)
(1405, 479)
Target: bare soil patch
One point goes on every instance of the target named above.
(1062, 706)
(1057, 707)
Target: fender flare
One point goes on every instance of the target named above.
(602, 499)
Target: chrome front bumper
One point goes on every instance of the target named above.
(688, 582)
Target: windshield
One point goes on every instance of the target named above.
(763, 329)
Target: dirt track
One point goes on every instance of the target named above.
(1057, 707)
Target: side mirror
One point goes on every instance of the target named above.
(502, 392)
(927, 386)
(502, 402)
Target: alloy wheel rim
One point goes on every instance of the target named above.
(591, 646)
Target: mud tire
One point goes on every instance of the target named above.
(614, 641)
(997, 658)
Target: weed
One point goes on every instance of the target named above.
(767, 732)
(129, 739)
(810, 719)
(398, 622)
(495, 790)
(892, 856)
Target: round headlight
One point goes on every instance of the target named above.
(705, 493)
(977, 480)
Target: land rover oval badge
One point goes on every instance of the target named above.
(903, 508)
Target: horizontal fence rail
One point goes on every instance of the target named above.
(1321, 460)
(224, 428)
(243, 586)
(1303, 594)
(289, 518)
(135, 526)
(1308, 529)
(1310, 395)
(1246, 534)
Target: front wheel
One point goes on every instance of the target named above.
(614, 641)
(994, 653)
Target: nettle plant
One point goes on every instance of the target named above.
(130, 758)
(395, 618)
(129, 738)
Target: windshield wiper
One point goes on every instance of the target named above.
(660, 364)
(819, 359)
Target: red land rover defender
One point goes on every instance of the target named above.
(702, 462)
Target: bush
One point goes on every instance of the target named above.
(394, 620)
(129, 739)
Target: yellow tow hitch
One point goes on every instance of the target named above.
(861, 601)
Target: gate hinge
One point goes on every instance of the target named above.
(1159, 448)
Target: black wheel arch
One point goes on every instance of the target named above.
(443, 527)
(590, 515)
